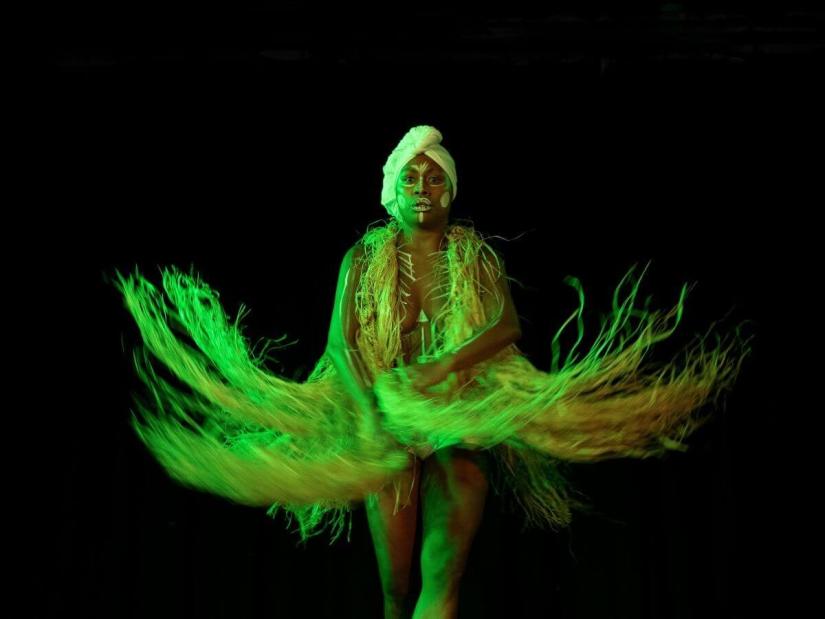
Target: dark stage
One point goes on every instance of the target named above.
(248, 144)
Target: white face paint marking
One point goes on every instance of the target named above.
(421, 168)
(418, 167)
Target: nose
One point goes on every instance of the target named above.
(419, 187)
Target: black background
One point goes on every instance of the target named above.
(249, 144)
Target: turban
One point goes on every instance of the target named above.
(418, 140)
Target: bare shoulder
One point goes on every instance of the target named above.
(352, 262)
(355, 255)
(491, 260)
(357, 250)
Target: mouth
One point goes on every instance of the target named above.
(421, 206)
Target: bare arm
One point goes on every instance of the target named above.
(342, 347)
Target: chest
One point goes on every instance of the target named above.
(423, 285)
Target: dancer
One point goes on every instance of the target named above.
(421, 396)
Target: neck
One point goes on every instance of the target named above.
(420, 240)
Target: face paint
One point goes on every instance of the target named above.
(422, 181)
(420, 168)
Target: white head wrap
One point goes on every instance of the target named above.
(418, 140)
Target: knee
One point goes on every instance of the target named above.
(396, 594)
(441, 580)
(442, 561)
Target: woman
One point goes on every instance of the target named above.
(421, 394)
(452, 483)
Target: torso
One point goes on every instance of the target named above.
(425, 293)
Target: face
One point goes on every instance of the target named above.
(423, 193)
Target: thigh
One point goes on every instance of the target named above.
(393, 517)
(452, 472)
(454, 489)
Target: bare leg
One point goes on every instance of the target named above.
(393, 536)
(453, 491)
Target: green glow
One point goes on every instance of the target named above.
(229, 426)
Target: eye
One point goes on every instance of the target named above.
(436, 180)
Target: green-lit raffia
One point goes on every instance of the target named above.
(242, 432)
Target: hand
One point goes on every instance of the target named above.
(424, 375)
